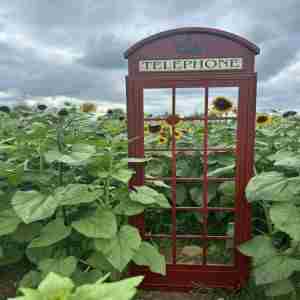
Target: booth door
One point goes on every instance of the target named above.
(190, 136)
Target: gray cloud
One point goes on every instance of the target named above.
(105, 52)
(75, 48)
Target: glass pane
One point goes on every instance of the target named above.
(222, 165)
(189, 194)
(157, 102)
(220, 223)
(189, 134)
(223, 101)
(160, 164)
(158, 221)
(190, 102)
(189, 222)
(189, 164)
(189, 252)
(157, 135)
(222, 133)
(220, 252)
(224, 194)
(212, 188)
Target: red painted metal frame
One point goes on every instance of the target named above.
(185, 277)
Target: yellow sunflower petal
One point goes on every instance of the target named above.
(162, 140)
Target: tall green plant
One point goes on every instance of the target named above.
(276, 252)
(64, 198)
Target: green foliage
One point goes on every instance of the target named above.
(276, 254)
(55, 287)
(64, 197)
(120, 249)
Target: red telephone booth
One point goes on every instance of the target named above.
(178, 86)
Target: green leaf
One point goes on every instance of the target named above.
(11, 255)
(129, 208)
(144, 195)
(277, 268)
(224, 171)
(260, 248)
(52, 233)
(101, 224)
(123, 175)
(279, 155)
(162, 201)
(80, 277)
(286, 217)
(30, 294)
(9, 221)
(31, 279)
(121, 290)
(158, 183)
(227, 189)
(32, 206)
(54, 155)
(279, 288)
(38, 130)
(35, 255)
(80, 153)
(62, 266)
(147, 196)
(272, 186)
(180, 194)
(148, 255)
(197, 193)
(27, 232)
(290, 162)
(74, 194)
(84, 148)
(120, 249)
(56, 287)
(98, 260)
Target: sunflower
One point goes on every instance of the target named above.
(222, 105)
(42, 107)
(263, 119)
(146, 128)
(162, 140)
(178, 134)
(88, 107)
(212, 112)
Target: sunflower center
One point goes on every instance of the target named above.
(223, 104)
(262, 119)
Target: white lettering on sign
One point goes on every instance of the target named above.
(192, 64)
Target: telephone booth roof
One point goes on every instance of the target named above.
(187, 30)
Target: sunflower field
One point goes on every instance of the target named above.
(65, 203)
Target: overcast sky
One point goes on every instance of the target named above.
(53, 50)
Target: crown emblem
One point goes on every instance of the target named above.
(186, 45)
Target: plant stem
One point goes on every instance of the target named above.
(268, 217)
(108, 181)
(41, 159)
